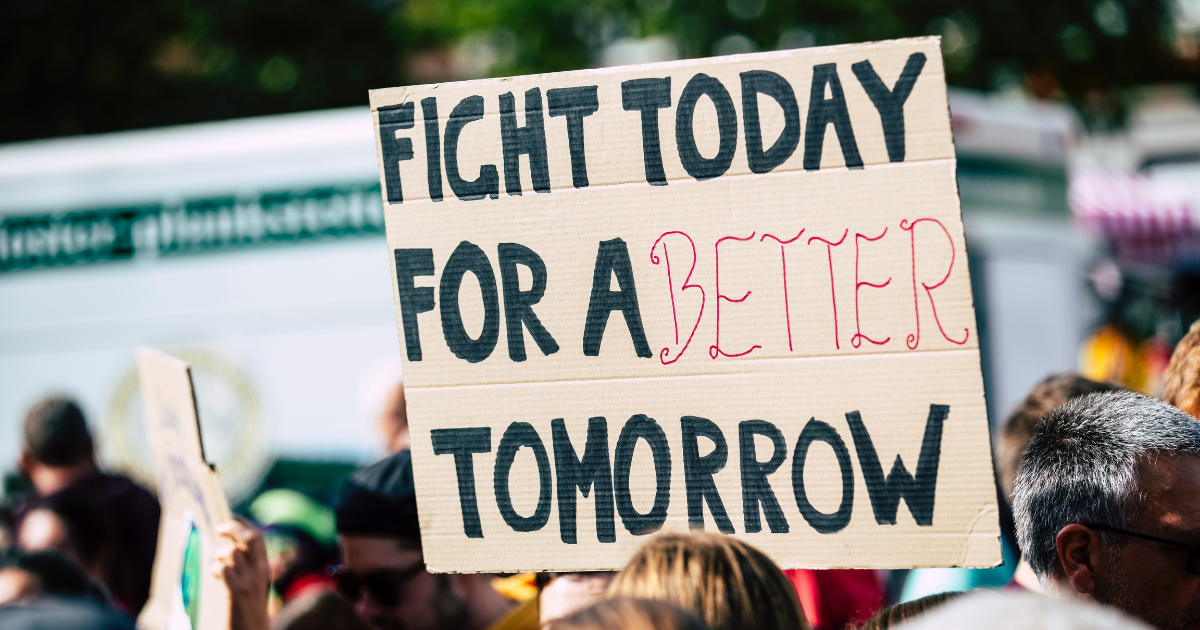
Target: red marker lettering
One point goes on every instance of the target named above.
(787, 313)
(915, 340)
(654, 259)
(858, 337)
(832, 291)
(715, 350)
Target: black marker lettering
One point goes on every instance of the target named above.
(518, 304)
(576, 104)
(648, 96)
(890, 103)
(517, 435)
(613, 258)
(528, 140)
(467, 111)
(756, 490)
(918, 492)
(698, 472)
(685, 137)
(640, 427)
(763, 82)
(393, 118)
(463, 443)
(414, 300)
(822, 112)
(468, 257)
(817, 431)
(585, 473)
(433, 147)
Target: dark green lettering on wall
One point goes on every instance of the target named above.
(193, 226)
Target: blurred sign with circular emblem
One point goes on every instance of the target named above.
(230, 417)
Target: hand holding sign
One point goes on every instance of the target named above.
(241, 563)
(184, 593)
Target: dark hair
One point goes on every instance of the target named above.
(380, 500)
(1020, 424)
(55, 574)
(91, 531)
(895, 615)
(56, 433)
(1082, 467)
(323, 611)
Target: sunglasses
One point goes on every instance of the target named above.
(383, 586)
(1193, 559)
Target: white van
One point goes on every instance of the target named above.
(251, 248)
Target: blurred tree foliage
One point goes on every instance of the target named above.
(76, 66)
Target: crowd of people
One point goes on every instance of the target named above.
(1100, 501)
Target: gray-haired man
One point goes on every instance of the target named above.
(1107, 506)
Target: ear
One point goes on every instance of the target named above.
(1080, 554)
(25, 461)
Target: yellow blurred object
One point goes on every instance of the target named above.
(1149, 367)
(1106, 356)
(520, 587)
(523, 617)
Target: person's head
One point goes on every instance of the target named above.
(320, 611)
(721, 579)
(27, 575)
(300, 537)
(904, 612)
(568, 592)
(57, 441)
(627, 613)
(393, 420)
(79, 530)
(1181, 383)
(1114, 461)
(384, 573)
(992, 610)
(1021, 422)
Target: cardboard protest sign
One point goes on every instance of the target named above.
(724, 294)
(185, 594)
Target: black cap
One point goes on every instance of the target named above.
(379, 499)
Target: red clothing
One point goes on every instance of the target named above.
(307, 584)
(836, 597)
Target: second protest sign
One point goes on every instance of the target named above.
(723, 294)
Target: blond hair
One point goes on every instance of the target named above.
(628, 613)
(902, 613)
(724, 581)
(1181, 383)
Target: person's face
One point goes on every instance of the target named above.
(16, 586)
(282, 554)
(569, 592)
(423, 601)
(1147, 579)
(394, 421)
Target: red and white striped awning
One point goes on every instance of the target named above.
(1147, 217)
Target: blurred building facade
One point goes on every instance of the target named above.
(252, 248)
(1137, 191)
(1028, 261)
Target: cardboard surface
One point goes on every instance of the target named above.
(185, 594)
(723, 293)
